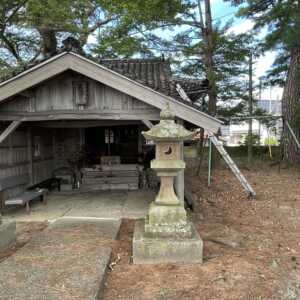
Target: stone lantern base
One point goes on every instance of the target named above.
(148, 249)
(7, 234)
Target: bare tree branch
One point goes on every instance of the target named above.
(101, 23)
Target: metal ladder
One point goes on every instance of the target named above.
(293, 134)
(232, 165)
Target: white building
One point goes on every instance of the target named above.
(235, 133)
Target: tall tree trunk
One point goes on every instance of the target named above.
(209, 60)
(290, 100)
(208, 52)
(209, 47)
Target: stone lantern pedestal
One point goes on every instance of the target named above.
(7, 234)
(166, 235)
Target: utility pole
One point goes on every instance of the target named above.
(250, 136)
(260, 98)
(260, 89)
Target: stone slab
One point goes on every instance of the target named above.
(136, 205)
(7, 234)
(108, 205)
(106, 228)
(165, 250)
(66, 261)
(100, 205)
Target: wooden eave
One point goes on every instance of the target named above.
(77, 63)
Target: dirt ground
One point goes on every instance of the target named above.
(25, 231)
(251, 248)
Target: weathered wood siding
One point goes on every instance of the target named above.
(43, 165)
(73, 92)
(15, 156)
(66, 144)
(66, 96)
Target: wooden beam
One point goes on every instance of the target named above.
(78, 115)
(148, 123)
(12, 126)
(82, 123)
(182, 93)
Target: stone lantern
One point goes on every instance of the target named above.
(166, 235)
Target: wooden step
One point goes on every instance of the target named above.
(104, 186)
(110, 180)
(111, 174)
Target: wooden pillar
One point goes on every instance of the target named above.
(10, 152)
(140, 140)
(82, 137)
(54, 148)
(29, 154)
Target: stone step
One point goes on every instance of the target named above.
(66, 261)
(7, 234)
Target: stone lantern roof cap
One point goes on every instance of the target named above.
(167, 129)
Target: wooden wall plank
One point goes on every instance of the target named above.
(29, 154)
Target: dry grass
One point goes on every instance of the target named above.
(25, 231)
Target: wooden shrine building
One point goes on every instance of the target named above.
(62, 106)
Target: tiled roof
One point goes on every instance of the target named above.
(156, 74)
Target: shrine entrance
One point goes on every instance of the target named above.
(121, 141)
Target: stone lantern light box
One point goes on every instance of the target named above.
(166, 235)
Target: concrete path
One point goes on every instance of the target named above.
(98, 204)
(67, 261)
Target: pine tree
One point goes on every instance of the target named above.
(201, 48)
(29, 28)
(204, 49)
(282, 20)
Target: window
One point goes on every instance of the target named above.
(109, 136)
